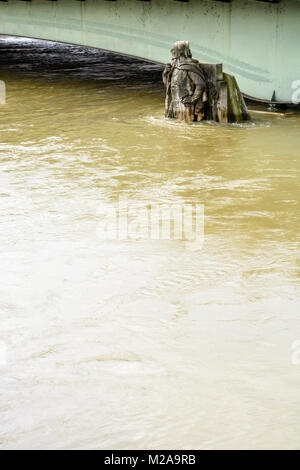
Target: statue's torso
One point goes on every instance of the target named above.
(181, 85)
(186, 84)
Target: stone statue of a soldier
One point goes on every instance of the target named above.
(186, 85)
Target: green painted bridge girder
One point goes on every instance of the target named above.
(257, 41)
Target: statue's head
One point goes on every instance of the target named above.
(181, 49)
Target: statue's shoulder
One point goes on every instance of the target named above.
(192, 65)
(186, 65)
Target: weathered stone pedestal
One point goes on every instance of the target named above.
(201, 91)
(225, 101)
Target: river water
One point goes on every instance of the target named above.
(136, 343)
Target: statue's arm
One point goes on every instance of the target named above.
(199, 88)
(166, 74)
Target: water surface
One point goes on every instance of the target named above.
(141, 344)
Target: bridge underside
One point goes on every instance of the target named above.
(255, 40)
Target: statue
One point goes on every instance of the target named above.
(186, 85)
(197, 91)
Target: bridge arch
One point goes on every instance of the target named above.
(255, 40)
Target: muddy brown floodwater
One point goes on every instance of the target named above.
(141, 344)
